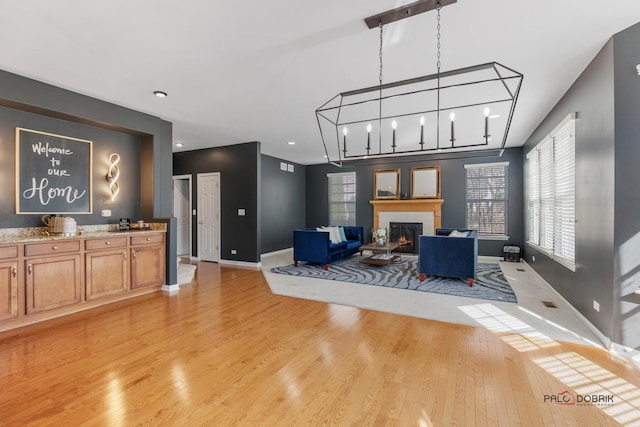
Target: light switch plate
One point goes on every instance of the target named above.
(105, 212)
(241, 212)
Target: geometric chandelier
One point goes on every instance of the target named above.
(451, 110)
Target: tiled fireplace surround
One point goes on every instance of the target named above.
(425, 211)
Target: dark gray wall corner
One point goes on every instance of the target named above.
(627, 197)
(239, 167)
(283, 202)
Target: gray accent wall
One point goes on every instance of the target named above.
(143, 141)
(626, 242)
(240, 170)
(606, 98)
(452, 176)
(283, 202)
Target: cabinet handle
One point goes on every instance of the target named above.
(148, 239)
(15, 271)
(133, 253)
(124, 254)
(55, 248)
(30, 269)
(107, 243)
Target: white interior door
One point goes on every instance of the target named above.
(182, 212)
(209, 216)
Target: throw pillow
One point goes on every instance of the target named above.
(456, 233)
(334, 234)
(342, 235)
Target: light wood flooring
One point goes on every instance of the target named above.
(225, 351)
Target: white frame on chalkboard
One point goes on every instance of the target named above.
(89, 182)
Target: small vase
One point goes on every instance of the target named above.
(381, 241)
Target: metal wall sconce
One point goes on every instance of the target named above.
(457, 109)
(113, 175)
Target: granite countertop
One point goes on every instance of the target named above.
(39, 234)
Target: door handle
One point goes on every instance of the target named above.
(124, 255)
(15, 271)
(30, 269)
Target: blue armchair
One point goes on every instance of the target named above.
(448, 256)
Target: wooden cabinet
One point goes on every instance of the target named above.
(45, 278)
(147, 260)
(8, 282)
(106, 267)
(53, 282)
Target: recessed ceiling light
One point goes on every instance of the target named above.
(291, 143)
(179, 144)
(160, 94)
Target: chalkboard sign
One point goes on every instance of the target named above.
(53, 173)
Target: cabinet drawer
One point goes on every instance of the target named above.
(106, 243)
(52, 248)
(147, 239)
(8, 252)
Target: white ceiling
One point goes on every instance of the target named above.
(255, 70)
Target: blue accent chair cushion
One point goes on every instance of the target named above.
(314, 246)
(444, 255)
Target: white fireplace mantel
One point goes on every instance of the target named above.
(408, 210)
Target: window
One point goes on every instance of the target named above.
(486, 194)
(551, 194)
(342, 198)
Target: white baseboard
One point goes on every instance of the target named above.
(281, 251)
(170, 288)
(631, 354)
(605, 340)
(240, 263)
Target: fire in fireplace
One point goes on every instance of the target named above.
(405, 234)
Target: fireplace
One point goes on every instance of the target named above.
(405, 234)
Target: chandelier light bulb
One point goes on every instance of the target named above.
(345, 131)
(487, 111)
(422, 121)
(452, 116)
(394, 125)
(369, 128)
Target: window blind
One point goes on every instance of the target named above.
(551, 194)
(486, 198)
(342, 198)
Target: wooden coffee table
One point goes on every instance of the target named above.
(381, 254)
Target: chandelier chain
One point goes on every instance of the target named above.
(380, 25)
(438, 37)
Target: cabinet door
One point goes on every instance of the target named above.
(107, 273)
(53, 282)
(147, 266)
(8, 290)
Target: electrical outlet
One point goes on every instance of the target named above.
(105, 212)
(233, 252)
(596, 306)
(533, 258)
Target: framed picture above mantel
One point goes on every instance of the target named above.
(386, 184)
(53, 173)
(425, 182)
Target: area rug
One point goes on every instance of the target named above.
(490, 283)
